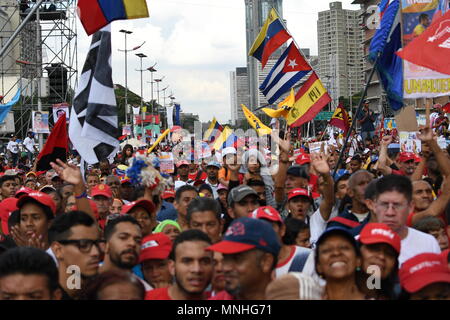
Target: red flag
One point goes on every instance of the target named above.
(295, 61)
(431, 49)
(56, 147)
(340, 119)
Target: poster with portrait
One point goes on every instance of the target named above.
(40, 121)
(409, 142)
(59, 110)
(421, 82)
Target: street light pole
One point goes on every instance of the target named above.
(141, 56)
(152, 69)
(164, 97)
(125, 51)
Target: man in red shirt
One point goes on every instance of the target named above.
(192, 267)
(250, 249)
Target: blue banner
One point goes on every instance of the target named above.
(177, 114)
(5, 108)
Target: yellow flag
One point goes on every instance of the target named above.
(283, 107)
(158, 140)
(257, 124)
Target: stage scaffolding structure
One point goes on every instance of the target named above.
(41, 61)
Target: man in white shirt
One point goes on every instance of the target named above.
(13, 148)
(212, 170)
(393, 203)
(30, 146)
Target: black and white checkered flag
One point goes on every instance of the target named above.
(93, 127)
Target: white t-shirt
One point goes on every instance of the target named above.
(417, 242)
(213, 187)
(317, 224)
(13, 147)
(284, 268)
(29, 144)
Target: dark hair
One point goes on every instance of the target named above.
(7, 178)
(188, 235)
(110, 226)
(371, 189)
(14, 219)
(394, 182)
(30, 261)
(182, 189)
(423, 16)
(108, 278)
(203, 204)
(344, 177)
(428, 224)
(205, 187)
(293, 228)
(61, 225)
(255, 183)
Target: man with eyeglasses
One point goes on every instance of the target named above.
(393, 203)
(76, 243)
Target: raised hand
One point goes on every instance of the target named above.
(319, 163)
(425, 134)
(18, 237)
(284, 144)
(68, 172)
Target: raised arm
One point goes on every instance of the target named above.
(280, 177)
(382, 160)
(320, 164)
(72, 174)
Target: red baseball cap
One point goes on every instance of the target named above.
(23, 191)
(40, 197)
(380, 233)
(101, 190)
(168, 194)
(303, 158)
(6, 207)
(298, 192)
(423, 270)
(143, 203)
(406, 156)
(267, 213)
(155, 246)
(182, 162)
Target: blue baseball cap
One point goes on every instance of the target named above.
(245, 234)
(330, 231)
(214, 164)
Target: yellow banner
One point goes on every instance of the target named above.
(257, 124)
(306, 101)
(158, 140)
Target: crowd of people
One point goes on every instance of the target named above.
(229, 227)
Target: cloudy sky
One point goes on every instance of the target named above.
(196, 43)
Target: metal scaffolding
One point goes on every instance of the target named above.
(46, 46)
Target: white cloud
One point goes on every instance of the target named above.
(196, 43)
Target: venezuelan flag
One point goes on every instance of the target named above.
(213, 132)
(227, 139)
(95, 14)
(270, 38)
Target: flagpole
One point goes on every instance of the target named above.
(355, 118)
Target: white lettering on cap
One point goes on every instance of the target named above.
(383, 232)
(425, 264)
(149, 244)
(266, 210)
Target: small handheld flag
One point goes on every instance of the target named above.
(257, 124)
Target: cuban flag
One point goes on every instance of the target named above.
(289, 69)
(385, 43)
(93, 127)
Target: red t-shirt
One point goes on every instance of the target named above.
(222, 295)
(398, 172)
(193, 176)
(158, 294)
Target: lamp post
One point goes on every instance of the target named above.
(164, 99)
(152, 69)
(142, 56)
(127, 32)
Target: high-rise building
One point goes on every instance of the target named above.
(375, 92)
(341, 55)
(239, 93)
(256, 13)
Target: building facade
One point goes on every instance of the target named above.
(239, 92)
(341, 53)
(256, 13)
